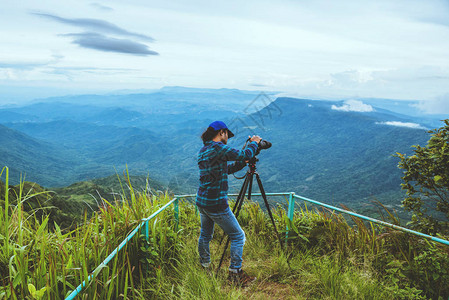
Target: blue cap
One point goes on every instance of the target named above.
(217, 125)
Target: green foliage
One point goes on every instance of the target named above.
(162, 246)
(36, 294)
(38, 259)
(37, 202)
(426, 180)
(324, 258)
(431, 269)
(360, 257)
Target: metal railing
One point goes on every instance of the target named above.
(145, 224)
(291, 211)
(290, 214)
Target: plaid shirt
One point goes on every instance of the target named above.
(212, 161)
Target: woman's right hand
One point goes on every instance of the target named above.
(255, 138)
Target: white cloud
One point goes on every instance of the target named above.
(387, 49)
(411, 82)
(354, 105)
(402, 124)
(439, 105)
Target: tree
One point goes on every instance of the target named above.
(426, 180)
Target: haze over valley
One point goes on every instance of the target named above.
(333, 151)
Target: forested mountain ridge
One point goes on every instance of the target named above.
(333, 155)
(320, 148)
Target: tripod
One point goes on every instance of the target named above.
(248, 185)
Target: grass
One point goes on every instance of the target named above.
(34, 258)
(325, 258)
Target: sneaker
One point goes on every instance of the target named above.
(207, 267)
(240, 278)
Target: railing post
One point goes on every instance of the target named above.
(176, 213)
(147, 231)
(290, 213)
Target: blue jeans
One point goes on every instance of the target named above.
(227, 221)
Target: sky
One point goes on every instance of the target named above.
(316, 49)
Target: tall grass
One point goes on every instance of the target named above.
(324, 257)
(40, 263)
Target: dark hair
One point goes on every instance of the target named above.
(209, 134)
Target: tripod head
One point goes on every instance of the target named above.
(252, 164)
(263, 144)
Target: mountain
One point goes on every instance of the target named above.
(97, 149)
(163, 117)
(88, 137)
(331, 155)
(38, 160)
(164, 98)
(11, 116)
(89, 193)
(318, 150)
(54, 111)
(159, 110)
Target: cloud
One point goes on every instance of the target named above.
(439, 105)
(21, 66)
(354, 105)
(100, 6)
(30, 65)
(402, 124)
(103, 43)
(412, 82)
(72, 72)
(95, 25)
(351, 77)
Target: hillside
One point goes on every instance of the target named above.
(333, 155)
(110, 188)
(329, 155)
(324, 257)
(101, 143)
(30, 156)
(162, 110)
(67, 205)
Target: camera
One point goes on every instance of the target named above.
(263, 144)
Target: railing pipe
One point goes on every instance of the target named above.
(75, 292)
(253, 194)
(292, 205)
(290, 214)
(374, 220)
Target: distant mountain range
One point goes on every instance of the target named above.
(334, 151)
(333, 155)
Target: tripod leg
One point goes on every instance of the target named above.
(242, 192)
(250, 188)
(264, 196)
(240, 198)
(236, 210)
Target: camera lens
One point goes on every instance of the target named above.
(264, 144)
